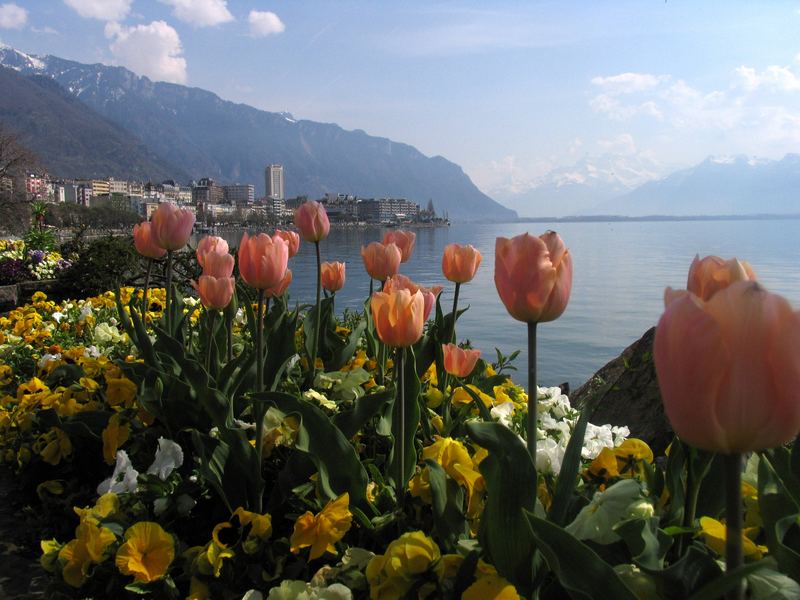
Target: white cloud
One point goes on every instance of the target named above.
(264, 23)
(152, 50)
(621, 144)
(611, 106)
(629, 83)
(774, 78)
(201, 13)
(103, 10)
(12, 16)
(46, 30)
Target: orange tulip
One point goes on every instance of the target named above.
(333, 276)
(215, 292)
(460, 263)
(729, 368)
(401, 282)
(405, 240)
(280, 288)
(218, 264)
(292, 238)
(398, 317)
(458, 361)
(533, 276)
(172, 226)
(144, 242)
(711, 274)
(210, 244)
(263, 260)
(312, 221)
(381, 260)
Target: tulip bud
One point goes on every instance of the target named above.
(381, 261)
(405, 240)
(144, 242)
(172, 226)
(729, 368)
(460, 263)
(333, 276)
(398, 317)
(711, 274)
(458, 361)
(263, 260)
(210, 244)
(215, 292)
(292, 239)
(533, 276)
(312, 221)
(401, 282)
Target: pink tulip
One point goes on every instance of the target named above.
(215, 292)
(333, 276)
(729, 368)
(460, 263)
(263, 260)
(401, 282)
(280, 288)
(458, 361)
(312, 221)
(397, 316)
(211, 244)
(533, 276)
(292, 238)
(381, 261)
(172, 226)
(218, 265)
(711, 274)
(405, 240)
(144, 242)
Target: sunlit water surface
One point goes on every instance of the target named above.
(620, 272)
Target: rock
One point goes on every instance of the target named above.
(632, 397)
(8, 297)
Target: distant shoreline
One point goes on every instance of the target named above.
(622, 219)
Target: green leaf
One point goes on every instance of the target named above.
(350, 422)
(692, 571)
(647, 543)
(343, 353)
(721, 585)
(511, 485)
(676, 464)
(335, 458)
(579, 569)
(448, 499)
(405, 422)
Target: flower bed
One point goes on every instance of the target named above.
(233, 446)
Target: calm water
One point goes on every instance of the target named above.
(620, 272)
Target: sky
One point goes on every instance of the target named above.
(508, 90)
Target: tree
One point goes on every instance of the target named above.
(15, 158)
(15, 162)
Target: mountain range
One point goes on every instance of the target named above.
(192, 133)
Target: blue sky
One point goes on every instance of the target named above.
(508, 90)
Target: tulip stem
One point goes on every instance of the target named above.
(371, 286)
(452, 332)
(146, 290)
(733, 519)
(318, 318)
(398, 375)
(211, 314)
(257, 414)
(229, 335)
(168, 308)
(533, 393)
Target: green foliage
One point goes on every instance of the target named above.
(37, 238)
(102, 265)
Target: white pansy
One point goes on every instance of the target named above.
(57, 316)
(321, 399)
(549, 455)
(239, 318)
(107, 334)
(91, 352)
(160, 505)
(503, 413)
(289, 590)
(596, 521)
(169, 457)
(86, 311)
(48, 358)
(124, 478)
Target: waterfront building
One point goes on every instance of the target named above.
(240, 194)
(273, 178)
(275, 208)
(207, 191)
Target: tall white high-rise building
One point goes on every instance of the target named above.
(273, 176)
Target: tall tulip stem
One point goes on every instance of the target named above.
(169, 292)
(212, 313)
(146, 290)
(733, 519)
(533, 392)
(257, 412)
(318, 318)
(371, 286)
(452, 332)
(401, 398)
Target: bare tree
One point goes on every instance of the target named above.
(14, 156)
(15, 161)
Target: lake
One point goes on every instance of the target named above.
(620, 272)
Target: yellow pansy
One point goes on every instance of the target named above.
(461, 397)
(324, 529)
(392, 575)
(456, 462)
(89, 384)
(490, 587)
(50, 550)
(198, 590)
(631, 454)
(604, 466)
(752, 514)
(6, 375)
(433, 397)
(120, 390)
(147, 553)
(713, 533)
(106, 506)
(87, 548)
(260, 525)
(57, 446)
(115, 435)
(215, 557)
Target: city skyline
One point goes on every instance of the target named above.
(508, 93)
